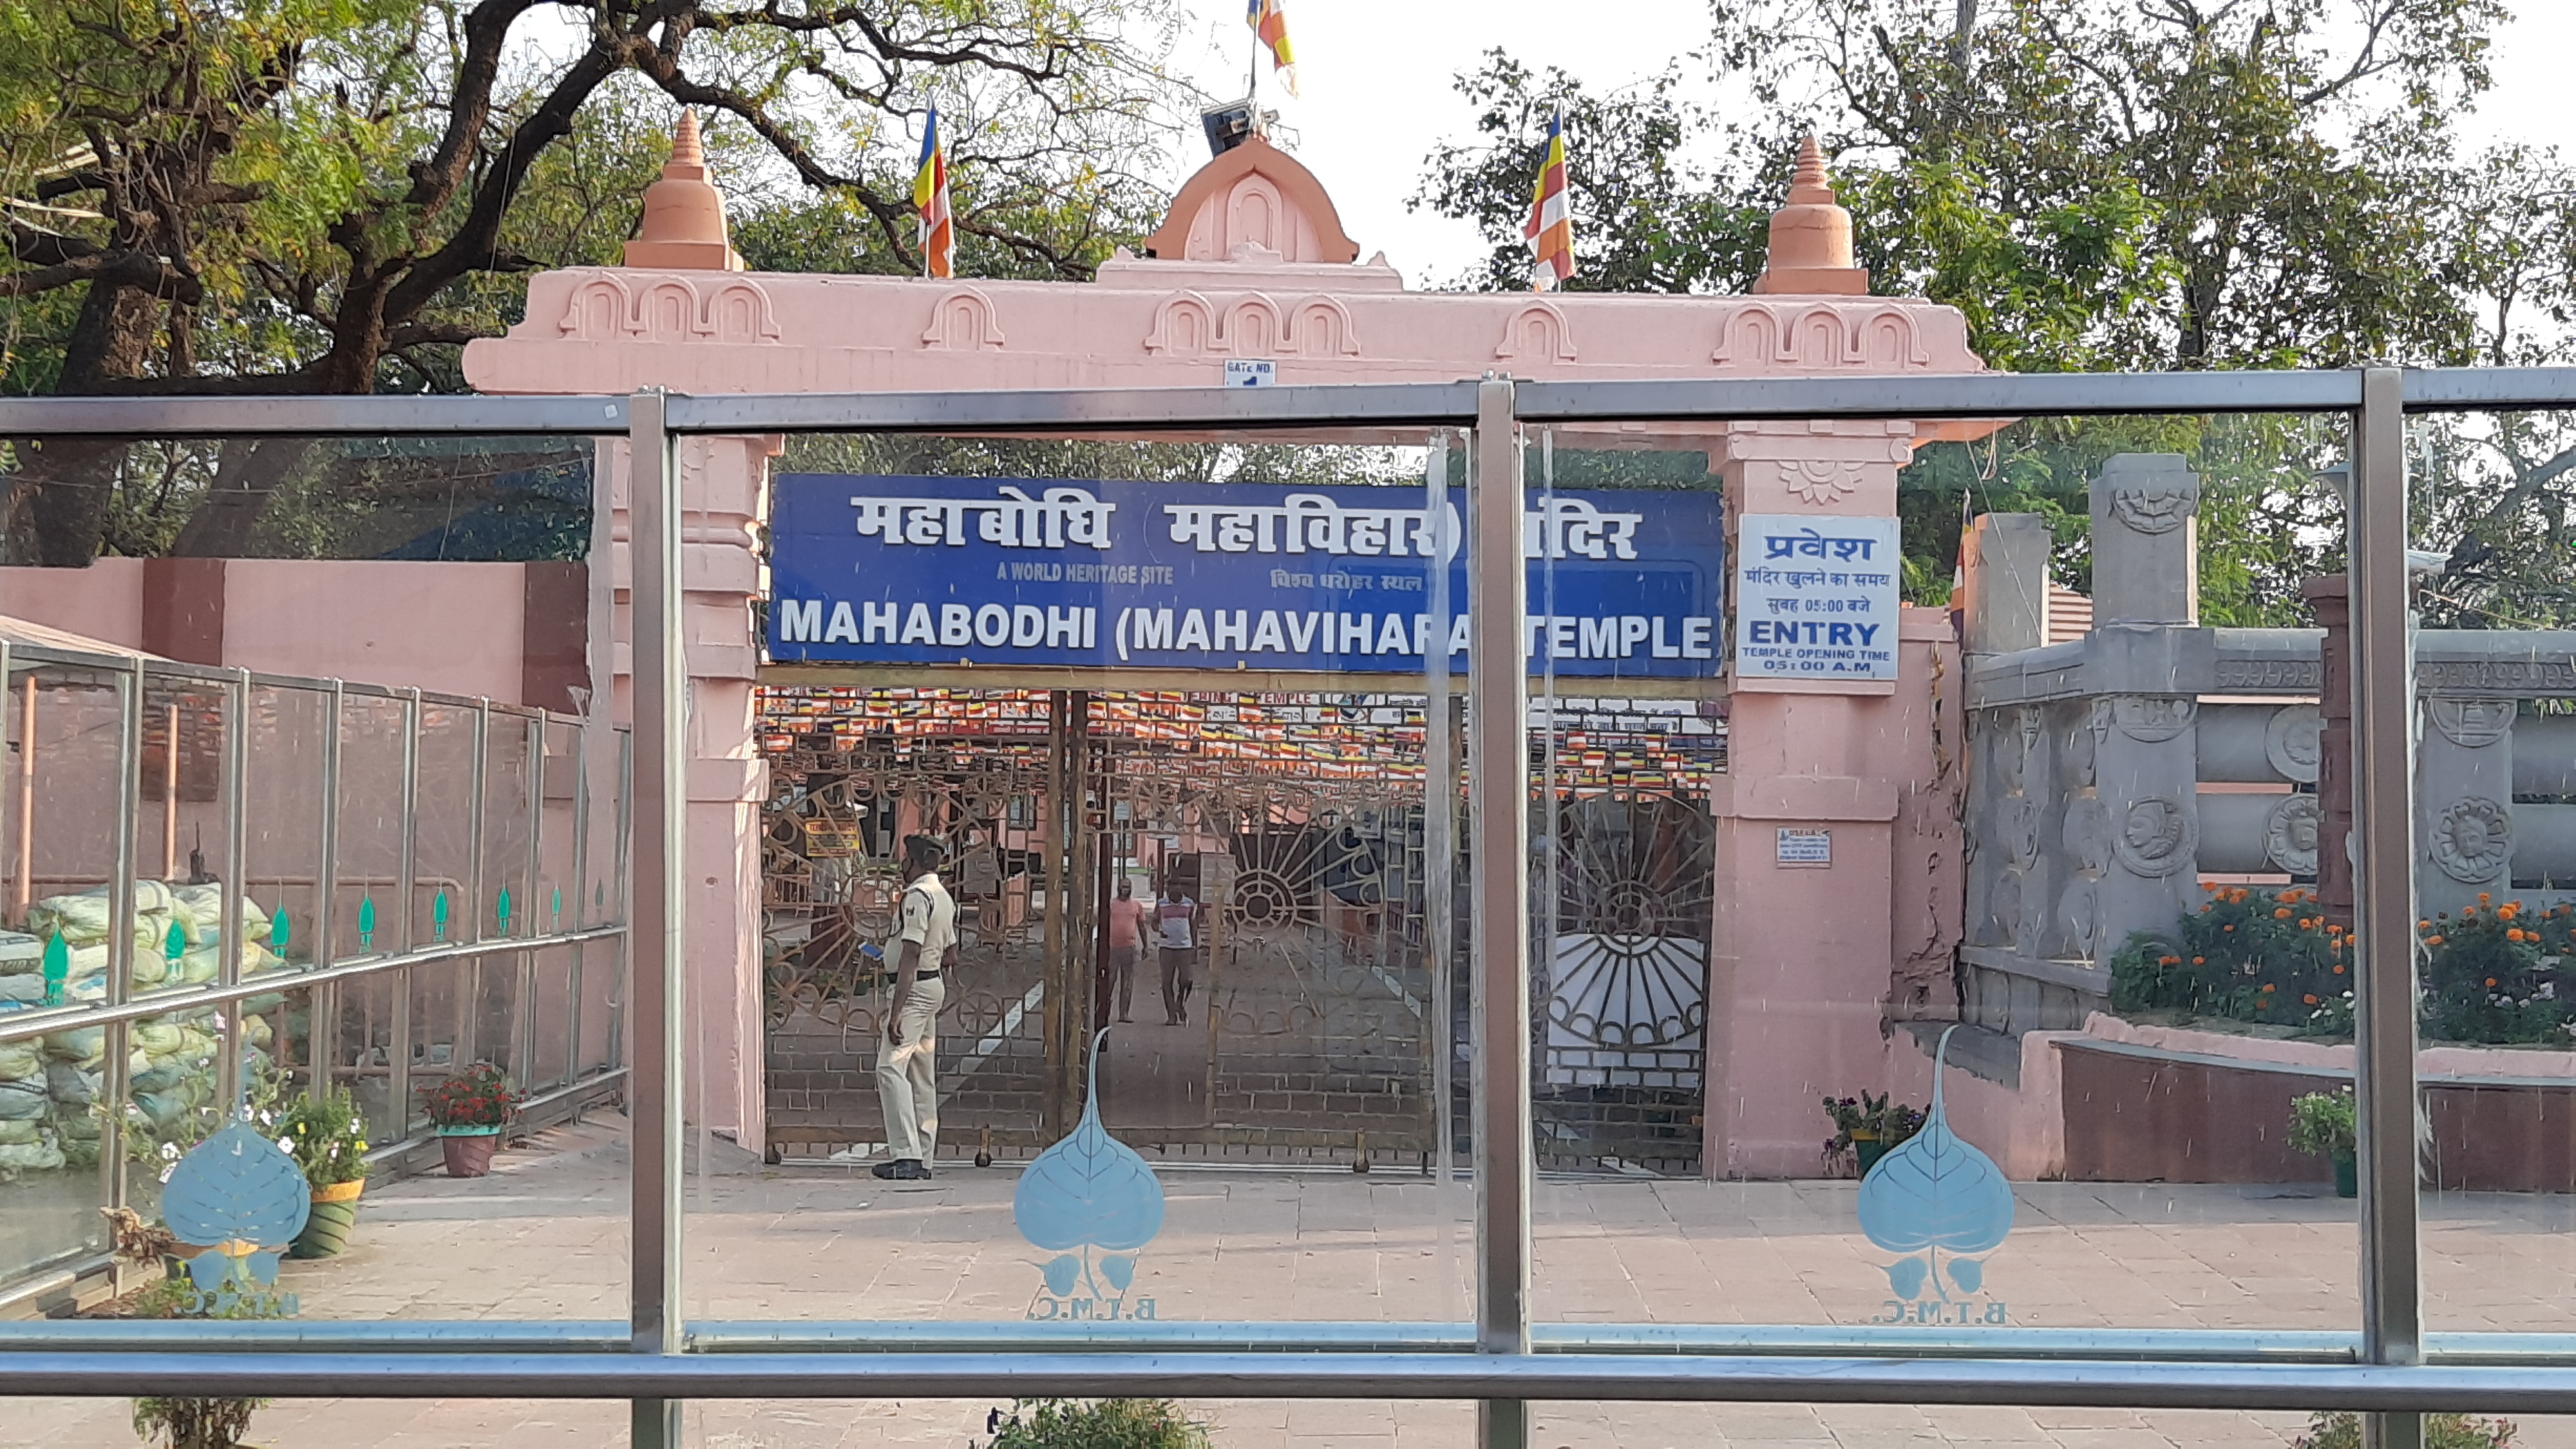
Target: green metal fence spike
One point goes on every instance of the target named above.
(501, 908)
(173, 946)
(58, 968)
(280, 931)
(438, 917)
(558, 907)
(367, 922)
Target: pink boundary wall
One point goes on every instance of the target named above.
(451, 627)
(1807, 963)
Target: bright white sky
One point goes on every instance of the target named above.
(1377, 95)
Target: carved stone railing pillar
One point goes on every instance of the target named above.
(2464, 800)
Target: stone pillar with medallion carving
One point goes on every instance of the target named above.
(2146, 613)
(2464, 801)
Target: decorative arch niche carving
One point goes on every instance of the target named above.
(963, 321)
(601, 310)
(1537, 333)
(1254, 328)
(1321, 327)
(738, 311)
(1184, 326)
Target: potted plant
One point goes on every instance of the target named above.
(469, 1111)
(1094, 1424)
(2441, 1431)
(1867, 1126)
(2322, 1125)
(327, 1137)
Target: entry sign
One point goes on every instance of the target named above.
(1815, 597)
(1238, 576)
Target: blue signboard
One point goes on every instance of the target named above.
(882, 570)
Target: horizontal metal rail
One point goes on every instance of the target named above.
(18, 1025)
(172, 672)
(1974, 395)
(1539, 1377)
(1409, 404)
(908, 1336)
(139, 418)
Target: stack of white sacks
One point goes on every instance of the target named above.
(49, 1085)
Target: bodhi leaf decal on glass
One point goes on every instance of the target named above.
(1936, 1192)
(240, 1195)
(1089, 1190)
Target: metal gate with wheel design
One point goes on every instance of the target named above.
(1315, 1030)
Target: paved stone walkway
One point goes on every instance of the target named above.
(545, 1236)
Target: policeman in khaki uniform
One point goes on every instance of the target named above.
(907, 1065)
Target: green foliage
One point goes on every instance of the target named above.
(2100, 186)
(2322, 1124)
(2441, 1431)
(1884, 1120)
(193, 1423)
(2489, 974)
(2247, 955)
(327, 1137)
(334, 195)
(1095, 1424)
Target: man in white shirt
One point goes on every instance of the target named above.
(907, 1065)
(1174, 917)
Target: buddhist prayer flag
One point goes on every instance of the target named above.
(1551, 224)
(1269, 21)
(930, 196)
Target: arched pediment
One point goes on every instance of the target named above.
(1258, 194)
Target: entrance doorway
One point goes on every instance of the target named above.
(1318, 1028)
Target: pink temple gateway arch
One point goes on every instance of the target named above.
(1808, 959)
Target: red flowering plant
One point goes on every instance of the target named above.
(479, 1096)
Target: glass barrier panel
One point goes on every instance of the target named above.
(181, 839)
(2494, 595)
(1196, 1056)
(64, 725)
(283, 801)
(1781, 1074)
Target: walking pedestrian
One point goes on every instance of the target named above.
(1126, 944)
(1175, 919)
(907, 1065)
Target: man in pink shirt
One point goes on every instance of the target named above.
(1126, 942)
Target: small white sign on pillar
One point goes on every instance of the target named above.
(1251, 372)
(1816, 597)
(1801, 846)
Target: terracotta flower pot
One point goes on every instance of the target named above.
(335, 1213)
(469, 1149)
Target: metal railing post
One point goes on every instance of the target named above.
(2383, 709)
(121, 945)
(325, 997)
(655, 936)
(1498, 805)
(406, 916)
(235, 880)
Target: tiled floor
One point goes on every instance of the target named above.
(546, 1237)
